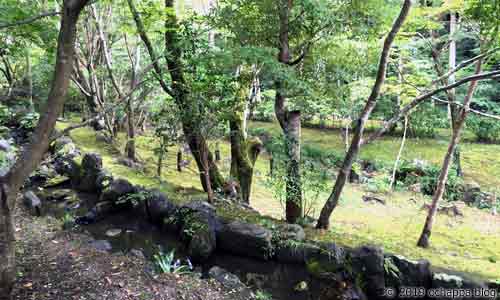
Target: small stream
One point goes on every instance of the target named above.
(136, 233)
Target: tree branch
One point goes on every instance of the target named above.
(30, 20)
(416, 101)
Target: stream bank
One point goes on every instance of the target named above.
(273, 257)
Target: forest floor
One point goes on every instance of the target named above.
(62, 265)
(470, 244)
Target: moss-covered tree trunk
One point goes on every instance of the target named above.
(244, 150)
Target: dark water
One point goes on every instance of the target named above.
(276, 279)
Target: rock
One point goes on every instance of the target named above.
(113, 232)
(246, 239)
(371, 198)
(101, 245)
(5, 145)
(59, 144)
(228, 280)
(55, 181)
(301, 287)
(130, 163)
(117, 189)
(91, 168)
(158, 207)
(292, 232)
(295, 252)
(400, 271)
(199, 225)
(98, 212)
(369, 263)
(447, 282)
(137, 253)
(98, 124)
(472, 192)
(60, 195)
(103, 180)
(32, 202)
(69, 166)
(329, 259)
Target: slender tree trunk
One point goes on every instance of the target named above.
(293, 181)
(32, 154)
(179, 160)
(217, 152)
(131, 153)
(351, 155)
(448, 159)
(288, 121)
(453, 109)
(400, 152)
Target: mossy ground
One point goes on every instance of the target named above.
(470, 244)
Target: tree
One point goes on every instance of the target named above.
(32, 154)
(333, 199)
(179, 90)
(448, 160)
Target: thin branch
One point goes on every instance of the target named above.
(30, 20)
(416, 101)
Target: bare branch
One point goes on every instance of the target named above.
(416, 101)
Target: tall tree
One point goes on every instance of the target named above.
(345, 170)
(32, 154)
(448, 160)
(289, 121)
(179, 90)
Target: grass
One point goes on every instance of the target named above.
(481, 162)
(470, 245)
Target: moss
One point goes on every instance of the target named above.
(464, 244)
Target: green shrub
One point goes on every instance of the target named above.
(425, 120)
(29, 120)
(485, 130)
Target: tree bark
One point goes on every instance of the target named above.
(448, 159)
(211, 178)
(288, 120)
(179, 160)
(244, 150)
(398, 157)
(32, 154)
(333, 199)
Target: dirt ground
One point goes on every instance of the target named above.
(61, 265)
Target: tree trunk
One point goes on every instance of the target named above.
(32, 154)
(293, 181)
(453, 109)
(210, 176)
(179, 160)
(244, 151)
(217, 152)
(351, 155)
(400, 152)
(288, 121)
(448, 159)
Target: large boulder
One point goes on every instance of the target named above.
(400, 272)
(158, 207)
(246, 239)
(228, 280)
(199, 225)
(443, 284)
(293, 252)
(117, 189)
(472, 191)
(96, 213)
(368, 262)
(91, 168)
(32, 202)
